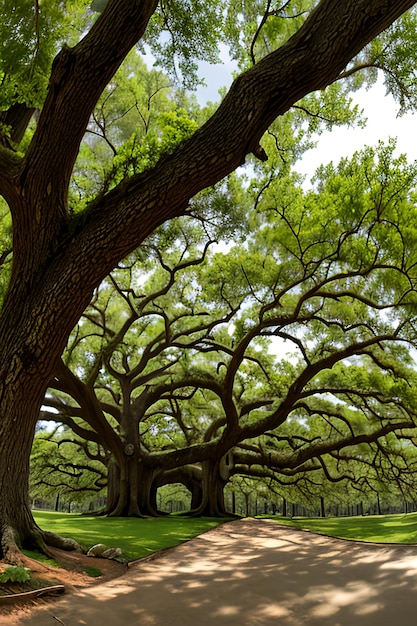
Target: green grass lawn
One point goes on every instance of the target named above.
(136, 537)
(141, 537)
(375, 528)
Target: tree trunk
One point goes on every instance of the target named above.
(17, 526)
(131, 489)
(322, 507)
(196, 495)
(113, 487)
(147, 490)
(20, 401)
(123, 489)
(214, 479)
(36, 319)
(284, 507)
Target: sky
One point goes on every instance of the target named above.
(383, 123)
(380, 110)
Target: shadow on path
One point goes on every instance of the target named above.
(250, 573)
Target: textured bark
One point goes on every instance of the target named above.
(131, 491)
(126, 504)
(17, 118)
(57, 263)
(123, 501)
(215, 476)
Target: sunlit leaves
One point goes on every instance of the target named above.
(31, 34)
(256, 28)
(393, 52)
(136, 156)
(183, 32)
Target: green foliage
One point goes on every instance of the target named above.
(135, 156)
(323, 271)
(184, 32)
(253, 29)
(393, 52)
(179, 331)
(58, 468)
(38, 30)
(15, 574)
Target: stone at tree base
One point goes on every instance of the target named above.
(111, 553)
(102, 551)
(97, 550)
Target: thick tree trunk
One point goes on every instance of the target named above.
(131, 491)
(17, 527)
(147, 490)
(215, 475)
(35, 322)
(19, 412)
(123, 490)
(22, 387)
(113, 487)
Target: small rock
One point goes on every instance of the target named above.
(111, 553)
(97, 550)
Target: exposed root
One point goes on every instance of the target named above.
(63, 543)
(34, 539)
(10, 550)
(34, 593)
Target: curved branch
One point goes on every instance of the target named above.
(310, 60)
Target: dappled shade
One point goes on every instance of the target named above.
(254, 572)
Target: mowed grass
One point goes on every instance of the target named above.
(137, 538)
(400, 528)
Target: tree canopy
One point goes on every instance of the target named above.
(273, 357)
(54, 73)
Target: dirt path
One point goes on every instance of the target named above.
(251, 573)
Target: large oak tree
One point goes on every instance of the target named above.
(58, 259)
(171, 361)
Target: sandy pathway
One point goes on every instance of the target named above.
(250, 573)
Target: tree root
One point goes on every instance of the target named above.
(34, 593)
(63, 543)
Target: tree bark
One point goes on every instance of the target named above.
(124, 489)
(215, 476)
(131, 489)
(322, 507)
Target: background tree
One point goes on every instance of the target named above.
(60, 475)
(186, 376)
